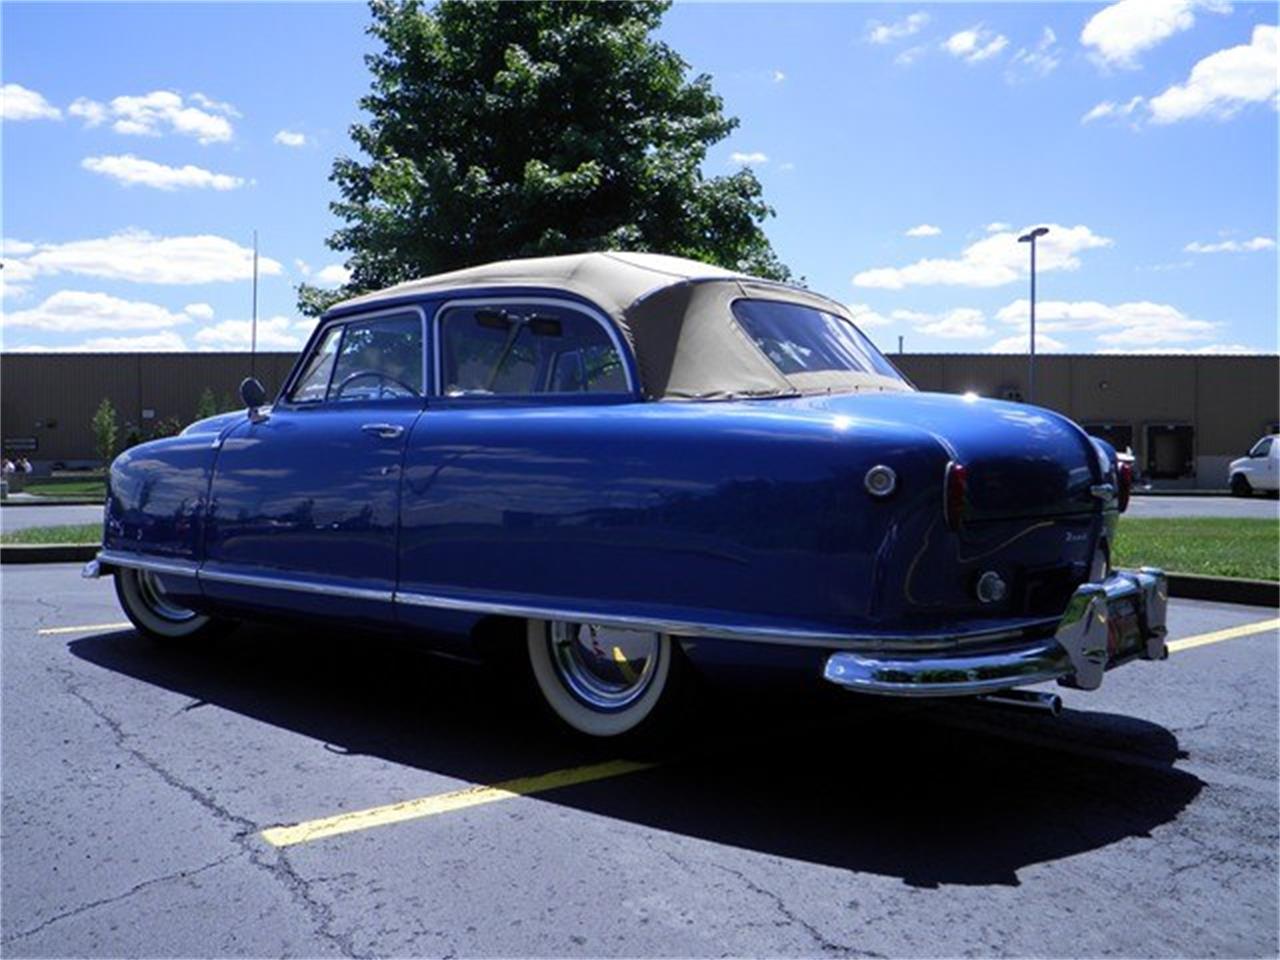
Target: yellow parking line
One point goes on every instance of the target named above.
(87, 628)
(1217, 636)
(447, 802)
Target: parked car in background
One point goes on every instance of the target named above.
(625, 468)
(1259, 469)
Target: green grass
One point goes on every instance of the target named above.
(70, 533)
(77, 489)
(1214, 546)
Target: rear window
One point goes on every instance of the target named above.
(803, 339)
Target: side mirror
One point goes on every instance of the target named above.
(254, 395)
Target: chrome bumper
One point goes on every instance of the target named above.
(1105, 624)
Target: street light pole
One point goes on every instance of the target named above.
(1030, 237)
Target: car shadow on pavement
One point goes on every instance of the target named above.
(932, 793)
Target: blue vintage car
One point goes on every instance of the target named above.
(628, 468)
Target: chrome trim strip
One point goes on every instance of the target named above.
(752, 634)
(298, 586)
(177, 568)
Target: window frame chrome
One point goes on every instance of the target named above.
(322, 328)
(587, 310)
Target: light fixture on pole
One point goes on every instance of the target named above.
(1030, 237)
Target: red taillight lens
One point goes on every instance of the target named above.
(957, 486)
(1124, 480)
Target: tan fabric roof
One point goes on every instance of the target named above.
(613, 280)
(674, 313)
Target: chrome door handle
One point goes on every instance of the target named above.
(387, 431)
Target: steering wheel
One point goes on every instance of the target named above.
(383, 378)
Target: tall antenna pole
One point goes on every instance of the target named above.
(253, 342)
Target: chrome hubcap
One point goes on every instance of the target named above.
(158, 602)
(606, 668)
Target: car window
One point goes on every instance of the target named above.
(1261, 448)
(313, 382)
(515, 348)
(379, 360)
(802, 339)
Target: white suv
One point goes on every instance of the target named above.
(1260, 470)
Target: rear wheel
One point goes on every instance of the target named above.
(156, 614)
(1240, 485)
(607, 682)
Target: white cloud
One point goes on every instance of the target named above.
(1232, 246)
(1020, 343)
(141, 257)
(910, 55)
(166, 341)
(956, 324)
(19, 103)
(217, 106)
(1224, 82)
(748, 159)
(1113, 110)
(92, 112)
(201, 311)
(290, 138)
(304, 268)
(274, 333)
(923, 230)
(1118, 33)
(71, 311)
(909, 26)
(1038, 61)
(334, 275)
(132, 171)
(997, 226)
(158, 112)
(975, 44)
(864, 316)
(778, 76)
(1141, 323)
(990, 262)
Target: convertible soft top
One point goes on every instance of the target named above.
(674, 313)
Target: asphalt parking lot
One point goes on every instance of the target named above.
(138, 782)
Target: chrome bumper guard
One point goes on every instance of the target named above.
(1105, 624)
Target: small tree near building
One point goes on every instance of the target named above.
(105, 431)
(207, 405)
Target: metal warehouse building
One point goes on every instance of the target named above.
(1183, 416)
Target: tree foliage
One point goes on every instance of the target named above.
(105, 431)
(500, 130)
(207, 405)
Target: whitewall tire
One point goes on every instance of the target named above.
(605, 682)
(154, 613)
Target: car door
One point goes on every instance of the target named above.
(304, 500)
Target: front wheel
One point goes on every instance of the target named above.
(607, 682)
(155, 613)
(1240, 485)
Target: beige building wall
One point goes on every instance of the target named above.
(1214, 405)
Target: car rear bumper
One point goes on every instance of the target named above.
(1105, 624)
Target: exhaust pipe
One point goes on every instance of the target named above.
(1049, 703)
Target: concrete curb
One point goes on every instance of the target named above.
(48, 552)
(1255, 593)
(51, 502)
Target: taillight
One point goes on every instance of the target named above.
(956, 486)
(1124, 480)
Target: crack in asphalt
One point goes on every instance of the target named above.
(136, 888)
(779, 904)
(279, 867)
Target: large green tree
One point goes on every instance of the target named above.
(523, 129)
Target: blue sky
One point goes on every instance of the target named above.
(902, 145)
